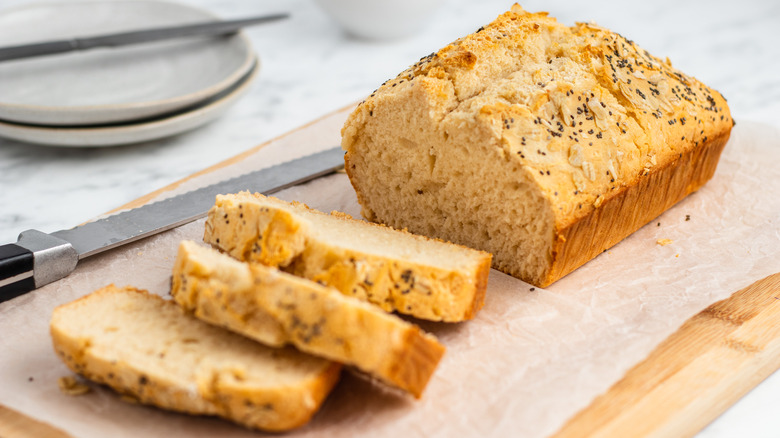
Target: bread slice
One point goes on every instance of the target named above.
(394, 269)
(277, 308)
(148, 348)
(540, 143)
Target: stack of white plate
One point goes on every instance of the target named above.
(113, 96)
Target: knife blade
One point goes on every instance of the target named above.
(39, 258)
(210, 28)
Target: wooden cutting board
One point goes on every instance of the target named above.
(715, 358)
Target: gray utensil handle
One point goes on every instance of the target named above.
(30, 50)
(133, 37)
(34, 260)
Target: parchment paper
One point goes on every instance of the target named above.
(528, 362)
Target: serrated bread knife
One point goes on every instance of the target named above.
(38, 258)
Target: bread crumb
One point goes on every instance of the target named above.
(129, 399)
(664, 242)
(70, 386)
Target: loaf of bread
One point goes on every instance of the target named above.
(149, 349)
(539, 143)
(394, 269)
(277, 308)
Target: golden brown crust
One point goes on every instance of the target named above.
(258, 229)
(274, 409)
(482, 275)
(416, 361)
(275, 308)
(632, 207)
(566, 118)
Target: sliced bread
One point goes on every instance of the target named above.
(148, 348)
(277, 308)
(415, 275)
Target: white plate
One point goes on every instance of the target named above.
(111, 85)
(131, 132)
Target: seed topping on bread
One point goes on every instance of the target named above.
(510, 138)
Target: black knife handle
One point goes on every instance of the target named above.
(34, 260)
(16, 271)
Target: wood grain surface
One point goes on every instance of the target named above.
(714, 359)
(14, 425)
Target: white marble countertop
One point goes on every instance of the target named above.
(310, 68)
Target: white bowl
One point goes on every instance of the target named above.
(381, 19)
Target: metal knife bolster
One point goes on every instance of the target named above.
(37, 258)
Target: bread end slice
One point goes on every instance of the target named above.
(149, 349)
